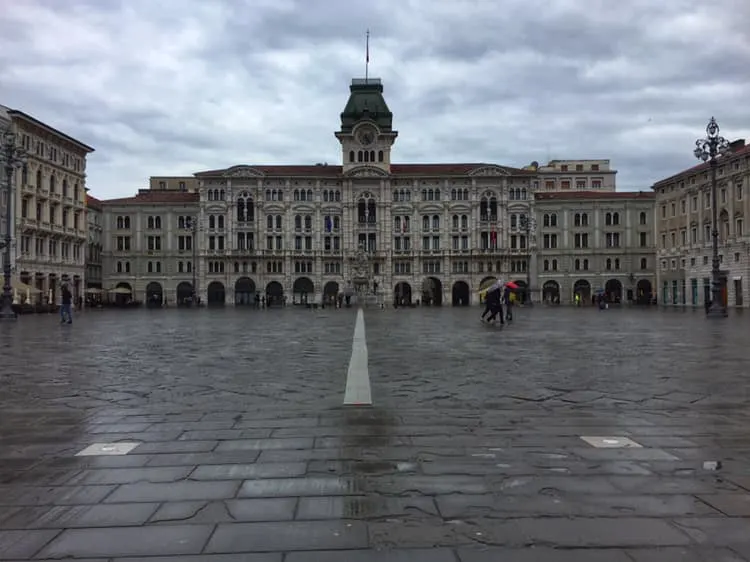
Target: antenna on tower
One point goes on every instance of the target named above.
(367, 56)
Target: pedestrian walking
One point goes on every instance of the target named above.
(66, 306)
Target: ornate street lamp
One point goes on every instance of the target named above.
(192, 225)
(708, 149)
(11, 156)
(528, 225)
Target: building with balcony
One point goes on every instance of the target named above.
(433, 232)
(50, 207)
(684, 226)
(595, 241)
(95, 221)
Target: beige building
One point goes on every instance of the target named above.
(433, 232)
(147, 244)
(95, 221)
(50, 207)
(575, 175)
(595, 241)
(683, 227)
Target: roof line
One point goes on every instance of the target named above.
(27, 117)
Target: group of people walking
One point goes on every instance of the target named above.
(497, 295)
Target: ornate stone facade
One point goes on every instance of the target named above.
(683, 231)
(50, 208)
(432, 232)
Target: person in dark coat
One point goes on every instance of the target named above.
(66, 306)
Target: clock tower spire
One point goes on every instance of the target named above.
(366, 133)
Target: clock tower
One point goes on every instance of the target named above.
(366, 133)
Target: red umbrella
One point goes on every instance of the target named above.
(511, 285)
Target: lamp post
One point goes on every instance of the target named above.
(192, 224)
(528, 225)
(708, 149)
(12, 156)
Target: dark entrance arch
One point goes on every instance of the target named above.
(216, 293)
(551, 292)
(154, 295)
(330, 292)
(303, 289)
(582, 288)
(461, 294)
(522, 292)
(244, 292)
(402, 294)
(613, 290)
(274, 294)
(184, 293)
(432, 292)
(644, 292)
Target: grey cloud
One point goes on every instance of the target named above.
(181, 85)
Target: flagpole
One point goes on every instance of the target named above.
(367, 56)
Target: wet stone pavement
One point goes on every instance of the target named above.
(472, 451)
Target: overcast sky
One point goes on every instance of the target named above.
(172, 87)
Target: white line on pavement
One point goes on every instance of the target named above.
(358, 375)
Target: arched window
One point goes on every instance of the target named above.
(554, 265)
(511, 194)
(608, 219)
(577, 219)
(308, 222)
(617, 263)
(524, 194)
(296, 194)
(127, 222)
(338, 195)
(278, 222)
(642, 218)
(644, 263)
(464, 222)
(211, 221)
(367, 155)
(52, 183)
(425, 223)
(371, 210)
(609, 264)
(546, 220)
(553, 219)
(578, 265)
(220, 221)
(586, 264)
(119, 267)
(437, 195)
(38, 179)
(372, 156)
(454, 195)
(455, 222)
(436, 222)
(150, 223)
(380, 155)
(546, 265)
(351, 156)
(268, 267)
(360, 158)
(297, 222)
(585, 222)
(269, 222)
(616, 218)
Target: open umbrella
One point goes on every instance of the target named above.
(511, 285)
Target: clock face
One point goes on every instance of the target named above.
(367, 137)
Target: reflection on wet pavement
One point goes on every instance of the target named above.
(472, 451)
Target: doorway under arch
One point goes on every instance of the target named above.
(551, 292)
(274, 294)
(402, 294)
(644, 292)
(461, 294)
(330, 292)
(184, 293)
(303, 289)
(154, 295)
(582, 288)
(244, 292)
(432, 292)
(613, 290)
(121, 297)
(216, 293)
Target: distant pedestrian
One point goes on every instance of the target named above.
(66, 306)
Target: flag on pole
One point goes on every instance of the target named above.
(367, 54)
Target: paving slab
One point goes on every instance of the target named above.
(461, 457)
